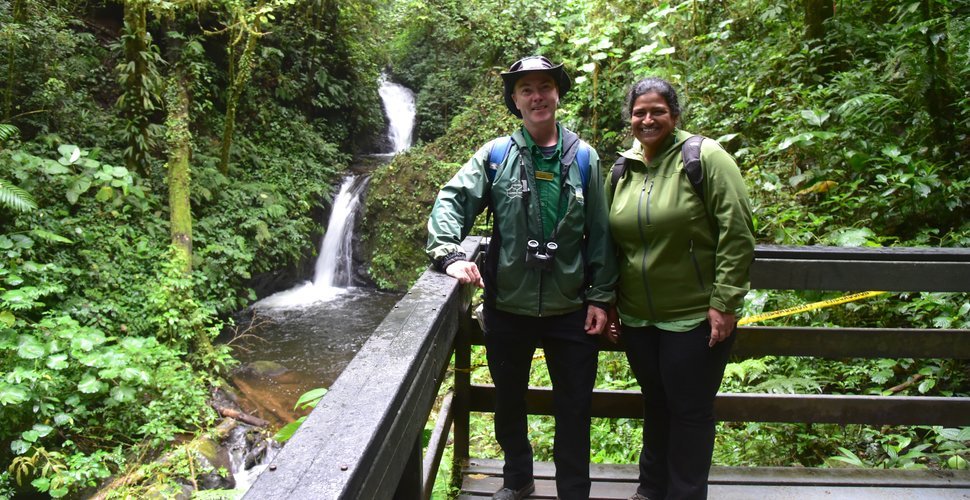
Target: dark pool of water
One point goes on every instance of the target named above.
(288, 350)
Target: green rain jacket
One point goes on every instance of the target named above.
(679, 254)
(584, 269)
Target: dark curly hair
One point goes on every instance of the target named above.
(653, 84)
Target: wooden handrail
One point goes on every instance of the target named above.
(364, 438)
(815, 268)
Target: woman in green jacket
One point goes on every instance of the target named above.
(684, 249)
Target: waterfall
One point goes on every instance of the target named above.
(399, 106)
(334, 271)
(335, 264)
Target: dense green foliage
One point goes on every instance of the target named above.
(105, 340)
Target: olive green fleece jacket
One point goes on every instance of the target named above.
(679, 254)
(584, 269)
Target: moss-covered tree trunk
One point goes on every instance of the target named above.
(179, 138)
(138, 86)
(240, 75)
(179, 152)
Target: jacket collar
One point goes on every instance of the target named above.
(674, 140)
(568, 141)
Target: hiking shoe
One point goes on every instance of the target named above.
(519, 494)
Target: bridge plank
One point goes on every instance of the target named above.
(482, 477)
(898, 254)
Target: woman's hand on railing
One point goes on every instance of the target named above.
(465, 272)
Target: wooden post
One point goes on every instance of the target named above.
(410, 486)
(463, 362)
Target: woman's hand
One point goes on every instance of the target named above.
(612, 330)
(465, 272)
(722, 324)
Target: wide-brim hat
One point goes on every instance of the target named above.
(533, 64)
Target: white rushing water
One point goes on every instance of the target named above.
(335, 266)
(399, 106)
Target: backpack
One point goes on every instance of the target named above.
(690, 153)
(502, 146)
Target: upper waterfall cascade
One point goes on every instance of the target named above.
(399, 106)
(334, 267)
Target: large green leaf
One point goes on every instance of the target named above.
(57, 362)
(90, 384)
(287, 431)
(12, 394)
(122, 393)
(29, 347)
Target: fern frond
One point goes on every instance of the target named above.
(7, 131)
(14, 198)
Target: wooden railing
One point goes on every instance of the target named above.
(364, 439)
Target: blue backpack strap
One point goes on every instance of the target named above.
(582, 159)
(500, 149)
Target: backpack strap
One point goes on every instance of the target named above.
(690, 153)
(582, 160)
(502, 146)
(619, 166)
(500, 150)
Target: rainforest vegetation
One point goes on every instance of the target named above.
(160, 160)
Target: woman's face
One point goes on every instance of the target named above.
(651, 121)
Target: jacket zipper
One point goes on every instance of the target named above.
(533, 190)
(643, 239)
(697, 267)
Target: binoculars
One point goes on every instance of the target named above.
(539, 257)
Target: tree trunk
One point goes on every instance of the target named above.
(138, 86)
(940, 96)
(179, 152)
(241, 75)
(816, 13)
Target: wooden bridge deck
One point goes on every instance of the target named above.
(483, 477)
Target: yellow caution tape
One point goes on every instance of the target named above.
(808, 307)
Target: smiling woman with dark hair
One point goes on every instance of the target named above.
(684, 239)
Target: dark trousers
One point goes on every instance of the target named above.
(571, 356)
(679, 376)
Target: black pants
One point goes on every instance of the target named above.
(679, 376)
(571, 356)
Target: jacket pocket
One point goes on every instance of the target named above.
(697, 267)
